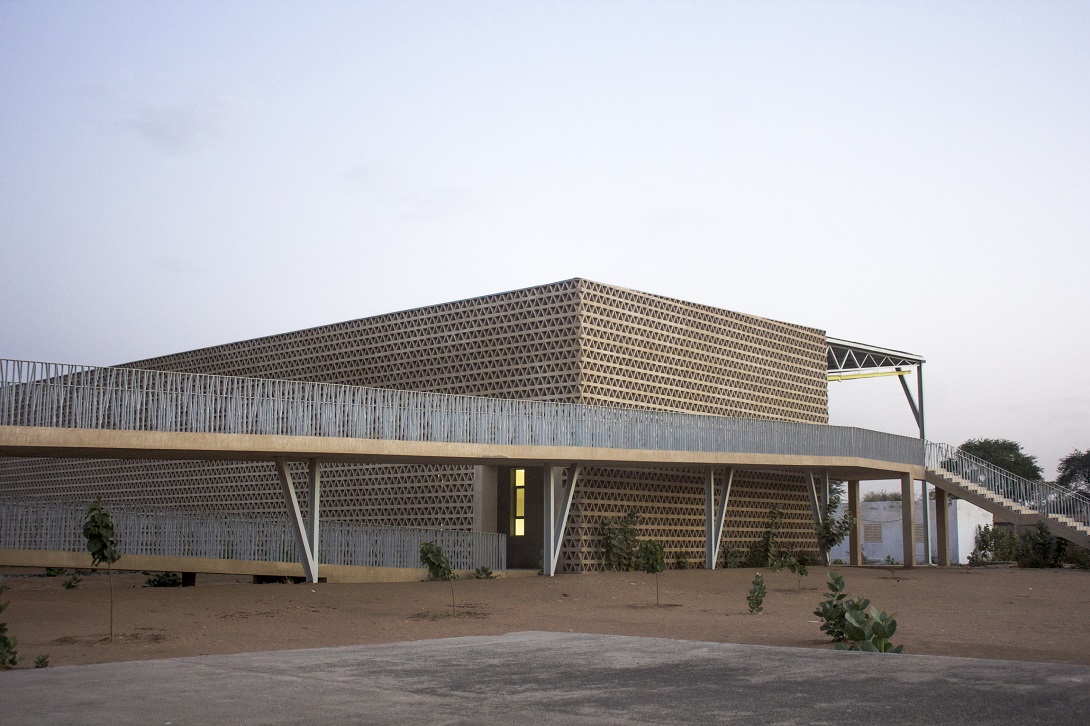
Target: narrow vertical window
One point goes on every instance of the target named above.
(518, 502)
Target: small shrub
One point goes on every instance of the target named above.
(163, 579)
(798, 568)
(756, 596)
(681, 560)
(619, 541)
(54, 571)
(729, 556)
(1041, 549)
(483, 573)
(9, 656)
(1078, 557)
(868, 631)
(41, 661)
(994, 544)
(851, 625)
(432, 557)
(832, 531)
(831, 609)
(73, 582)
(890, 561)
(765, 551)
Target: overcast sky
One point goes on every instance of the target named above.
(912, 175)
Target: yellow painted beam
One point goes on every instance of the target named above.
(877, 374)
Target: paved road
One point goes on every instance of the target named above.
(551, 678)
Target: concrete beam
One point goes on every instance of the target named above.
(908, 520)
(108, 444)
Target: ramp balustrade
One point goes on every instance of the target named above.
(59, 395)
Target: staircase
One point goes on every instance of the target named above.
(1008, 496)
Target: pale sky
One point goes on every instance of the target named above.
(912, 175)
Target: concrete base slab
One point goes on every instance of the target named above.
(556, 678)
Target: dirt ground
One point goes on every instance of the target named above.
(993, 612)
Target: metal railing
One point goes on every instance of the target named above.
(59, 395)
(38, 526)
(1042, 497)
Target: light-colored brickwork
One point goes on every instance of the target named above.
(576, 340)
(671, 504)
(653, 352)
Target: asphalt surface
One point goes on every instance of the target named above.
(551, 678)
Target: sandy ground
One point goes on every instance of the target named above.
(995, 612)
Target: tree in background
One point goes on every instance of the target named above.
(1005, 454)
(1074, 471)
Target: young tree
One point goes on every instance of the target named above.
(651, 558)
(102, 544)
(1005, 454)
(1074, 471)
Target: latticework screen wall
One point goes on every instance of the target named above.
(671, 506)
(390, 495)
(648, 351)
(575, 340)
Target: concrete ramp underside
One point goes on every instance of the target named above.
(1008, 510)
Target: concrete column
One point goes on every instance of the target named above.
(709, 519)
(908, 520)
(549, 549)
(942, 527)
(926, 524)
(855, 540)
(485, 499)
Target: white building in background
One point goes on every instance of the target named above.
(882, 535)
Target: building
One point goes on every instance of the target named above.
(882, 534)
(574, 341)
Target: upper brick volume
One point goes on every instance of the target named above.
(577, 340)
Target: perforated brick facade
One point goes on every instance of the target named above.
(576, 340)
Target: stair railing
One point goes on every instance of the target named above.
(1042, 497)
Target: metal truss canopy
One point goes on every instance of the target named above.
(844, 355)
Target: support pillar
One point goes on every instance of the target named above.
(306, 538)
(855, 541)
(818, 512)
(558, 498)
(942, 527)
(485, 499)
(926, 524)
(714, 514)
(314, 499)
(908, 520)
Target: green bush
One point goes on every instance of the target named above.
(620, 540)
(995, 544)
(41, 661)
(852, 623)
(163, 579)
(729, 556)
(483, 573)
(1041, 549)
(868, 631)
(681, 560)
(766, 550)
(831, 609)
(432, 557)
(832, 531)
(73, 582)
(54, 571)
(756, 596)
(9, 656)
